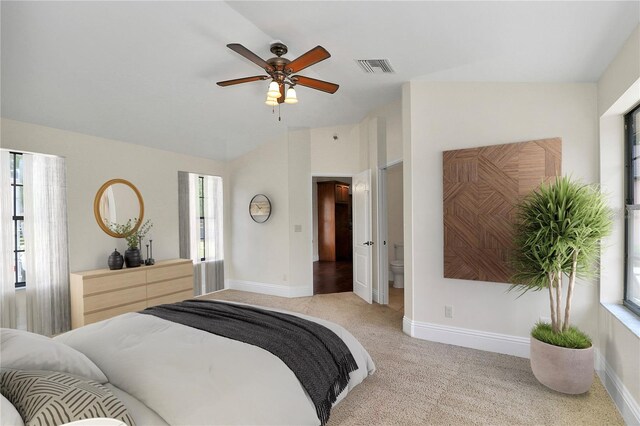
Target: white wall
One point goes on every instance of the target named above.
(340, 156)
(392, 115)
(274, 257)
(395, 213)
(91, 161)
(619, 345)
(300, 228)
(446, 116)
(621, 73)
(260, 251)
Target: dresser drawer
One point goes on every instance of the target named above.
(168, 287)
(168, 273)
(109, 313)
(102, 293)
(171, 298)
(115, 298)
(113, 282)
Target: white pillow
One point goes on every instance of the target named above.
(9, 416)
(22, 350)
(98, 421)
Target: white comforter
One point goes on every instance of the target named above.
(192, 377)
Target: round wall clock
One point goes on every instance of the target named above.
(260, 208)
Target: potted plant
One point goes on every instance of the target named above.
(558, 232)
(132, 257)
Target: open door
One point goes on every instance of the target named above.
(362, 244)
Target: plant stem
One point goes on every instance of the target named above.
(558, 301)
(552, 279)
(572, 280)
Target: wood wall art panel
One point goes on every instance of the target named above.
(481, 189)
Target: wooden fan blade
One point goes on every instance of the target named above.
(241, 50)
(323, 86)
(313, 56)
(281, 98)
(241, 80)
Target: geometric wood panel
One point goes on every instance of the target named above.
(481, 188)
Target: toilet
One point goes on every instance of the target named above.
(397, 266)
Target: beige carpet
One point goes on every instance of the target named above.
(425, 383)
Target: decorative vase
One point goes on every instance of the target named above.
(115, 260)
(132, 257)
(564, 370)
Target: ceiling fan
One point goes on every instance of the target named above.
(280, 71)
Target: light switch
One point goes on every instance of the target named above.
(297, 228)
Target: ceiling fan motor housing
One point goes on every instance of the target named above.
(279, 49)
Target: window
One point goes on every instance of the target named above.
(16, 170)
(202, 244)
(200, 212)
(632, 223)
(34, 244)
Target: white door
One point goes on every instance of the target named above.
(362, 244)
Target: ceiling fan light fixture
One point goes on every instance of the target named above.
(274, 90)
(271, 101)
(291, 97)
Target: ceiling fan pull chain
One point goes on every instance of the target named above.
(279, 118)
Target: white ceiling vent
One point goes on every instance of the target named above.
(375, 66)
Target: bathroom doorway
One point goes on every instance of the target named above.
(391, 197)
(332, 234)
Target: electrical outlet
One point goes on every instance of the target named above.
(297, 228)
(448, 311)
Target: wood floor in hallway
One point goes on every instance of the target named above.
(332, 277)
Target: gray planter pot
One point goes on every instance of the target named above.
(562, 369)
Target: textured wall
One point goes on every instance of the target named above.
(481, 188)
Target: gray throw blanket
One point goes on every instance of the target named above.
(316, 355)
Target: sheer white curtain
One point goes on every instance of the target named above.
(46, 244)
(208, 273)
(214, 265)
(7, 277)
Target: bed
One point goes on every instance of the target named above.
(169, 373)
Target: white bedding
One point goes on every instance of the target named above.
(192, 377)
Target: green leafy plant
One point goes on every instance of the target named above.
(558, 233)
(126, 229)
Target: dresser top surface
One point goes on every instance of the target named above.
(159, 264)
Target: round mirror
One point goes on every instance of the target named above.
(118, 208)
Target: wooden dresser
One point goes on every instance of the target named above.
(102, 293)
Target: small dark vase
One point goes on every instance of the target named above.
(132, 257)
(115, 260)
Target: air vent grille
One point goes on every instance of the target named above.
(375, 66)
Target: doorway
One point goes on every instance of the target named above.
(392, 233)
(332, 234)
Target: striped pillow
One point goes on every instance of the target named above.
(53, 398)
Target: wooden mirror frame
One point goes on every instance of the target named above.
(96, 208)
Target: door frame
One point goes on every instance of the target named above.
(383, 233)
(319, 175)
(381, 295)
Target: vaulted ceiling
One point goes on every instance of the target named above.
(145, 72)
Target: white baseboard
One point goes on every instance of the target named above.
(468, 338)
(270, 289)
(316, 258)
(627, 405)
